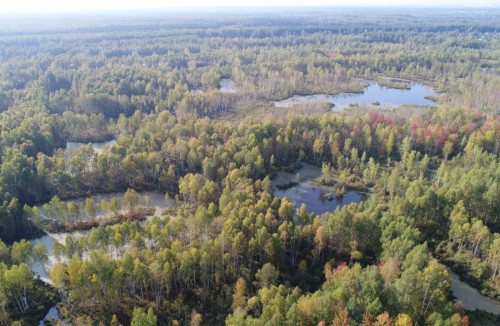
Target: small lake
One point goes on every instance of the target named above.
(313, 197)
(310, 194)
(470, 297)
(386, 97)
(227, 86)
(98, 146)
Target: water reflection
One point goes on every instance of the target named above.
(156, 200)
(315, 198)
(98, 146)
(470, 297)
(227, 86)
(374, 94)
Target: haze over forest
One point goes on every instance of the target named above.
(51, 6)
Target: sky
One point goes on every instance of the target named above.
(43, 6)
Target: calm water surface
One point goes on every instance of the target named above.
(306, 192)
(98, 146)
(312, 196)
(470, 297)
(386, 97)
(51, 314)
(227, 86)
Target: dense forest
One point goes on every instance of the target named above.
(228, 251)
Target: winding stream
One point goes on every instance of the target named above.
(51, 314)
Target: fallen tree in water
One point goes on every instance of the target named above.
(287, 185)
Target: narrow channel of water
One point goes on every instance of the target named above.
(470, 297)
(48, 240)
(51, 314)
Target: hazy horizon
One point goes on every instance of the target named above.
(61, 6)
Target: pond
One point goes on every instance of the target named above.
(309, 193)
(227, 86)
(98, 146)
(470, 297)
(313, 196)
(384, 97)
